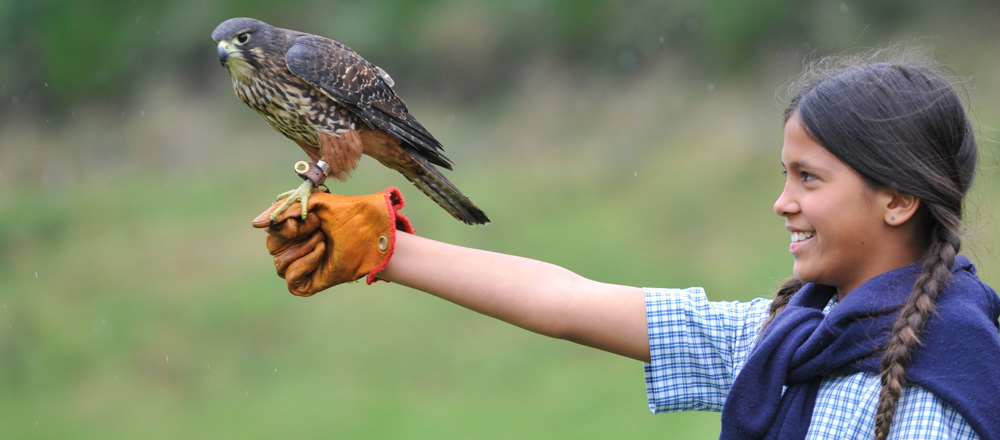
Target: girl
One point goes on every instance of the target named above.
(884, 331)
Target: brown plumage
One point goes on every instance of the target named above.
(335, 105)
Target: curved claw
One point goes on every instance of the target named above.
(300, 194)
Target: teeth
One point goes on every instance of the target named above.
(799, 236)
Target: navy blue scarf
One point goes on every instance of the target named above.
(958, 360)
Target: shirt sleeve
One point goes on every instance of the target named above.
(696, 347)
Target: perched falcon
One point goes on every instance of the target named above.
(336, 106)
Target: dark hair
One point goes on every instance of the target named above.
(902, 126)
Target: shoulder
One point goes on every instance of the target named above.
(688, 313)
(693, 299)
(696, 347)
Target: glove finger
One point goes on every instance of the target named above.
(276, 244)
(301, 273)
(279, 241)
(294, 227)
(264, 219)
(292, 252)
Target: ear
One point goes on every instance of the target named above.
(898, 207)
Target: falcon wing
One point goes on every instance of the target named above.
(363, 88)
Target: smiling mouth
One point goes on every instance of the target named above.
(798, 236)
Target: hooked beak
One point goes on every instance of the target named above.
(224, 51)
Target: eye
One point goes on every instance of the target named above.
(806, 176)
(242, 38)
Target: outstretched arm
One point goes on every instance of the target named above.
(345, 238)
(536, 296)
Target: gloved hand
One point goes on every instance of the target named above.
(343, 238)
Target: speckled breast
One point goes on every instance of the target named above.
(293, 107)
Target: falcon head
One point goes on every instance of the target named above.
(244, 44)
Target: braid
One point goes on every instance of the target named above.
(937, 264)
(781, 299)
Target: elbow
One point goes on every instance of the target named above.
(570, 314)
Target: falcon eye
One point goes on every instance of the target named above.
(242, 38)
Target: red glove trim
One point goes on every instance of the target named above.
(394, 202)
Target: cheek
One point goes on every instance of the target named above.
(240, 69)
(844, 227)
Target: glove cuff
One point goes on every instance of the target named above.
(394, 202)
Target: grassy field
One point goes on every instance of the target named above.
(137, 301)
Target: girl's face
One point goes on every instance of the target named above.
(838, 228)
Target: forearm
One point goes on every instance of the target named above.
(537, 296)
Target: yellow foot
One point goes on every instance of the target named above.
(300, 194)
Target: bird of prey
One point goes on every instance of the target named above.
(336, 106)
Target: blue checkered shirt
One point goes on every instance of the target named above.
(697, 347)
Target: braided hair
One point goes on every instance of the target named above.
(901, 126)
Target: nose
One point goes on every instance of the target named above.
(785, 206)
(223, 53)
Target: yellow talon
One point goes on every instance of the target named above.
(300, 194)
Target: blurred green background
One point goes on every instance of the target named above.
(633, 142)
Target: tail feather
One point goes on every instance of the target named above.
(432, 183)
(393, 152)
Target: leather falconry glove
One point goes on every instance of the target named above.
(341, 239)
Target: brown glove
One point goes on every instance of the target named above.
(343, 238)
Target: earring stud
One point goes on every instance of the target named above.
(892, 218)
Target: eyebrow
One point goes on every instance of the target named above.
(801, 164)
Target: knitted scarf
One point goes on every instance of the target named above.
(958, 359)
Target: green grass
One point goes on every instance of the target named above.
(137, 302)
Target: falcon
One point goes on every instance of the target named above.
(336, 106)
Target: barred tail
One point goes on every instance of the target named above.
(431, 182)
(413, 163)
